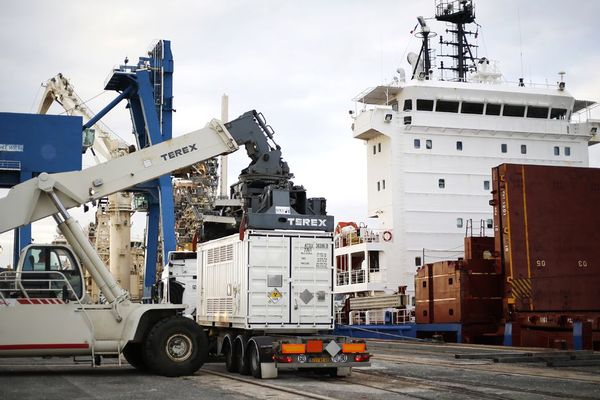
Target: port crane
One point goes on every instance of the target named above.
(43, 307)
(116, 252)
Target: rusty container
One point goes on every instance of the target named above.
(467, 292)
(479, 247)
(548, 237)
(424, 294)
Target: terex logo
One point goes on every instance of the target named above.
(179, 152)
(307, 222)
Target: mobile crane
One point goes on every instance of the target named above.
(43, 307)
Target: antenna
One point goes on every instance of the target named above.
(458, 13)
(423, 60)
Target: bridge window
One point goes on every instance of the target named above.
(407, 105)
(459, 222)
(459, 146)
(417, 143)
(471, 108)
(511, 110)
(567, 151)
(424, 105)
(493, 109)
(556, 151)
(446, 106)
(504, 147)
(418, 264)
(537, 112)
(558, 113)
(523, 149)
(429, 144)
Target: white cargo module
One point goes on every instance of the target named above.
(272, 281)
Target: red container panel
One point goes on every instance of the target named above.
(450, 292)
(548, 236)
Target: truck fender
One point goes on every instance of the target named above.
(264, 344)
(141, 321)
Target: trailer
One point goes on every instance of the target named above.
(265, 297)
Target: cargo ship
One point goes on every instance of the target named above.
(432, 136)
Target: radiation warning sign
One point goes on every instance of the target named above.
(274, 296)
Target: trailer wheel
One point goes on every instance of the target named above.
(254, 361)
(230, 361)
(175, 346)
(239, 354)
(134, 355)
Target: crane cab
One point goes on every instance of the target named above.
(48, 271)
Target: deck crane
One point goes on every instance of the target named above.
(105, 147)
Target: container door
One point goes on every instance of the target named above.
(311, 281)
(268, 280)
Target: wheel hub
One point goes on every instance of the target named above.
(179, 347)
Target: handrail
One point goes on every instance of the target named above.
(15, 280)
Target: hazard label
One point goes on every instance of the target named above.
(274, 296)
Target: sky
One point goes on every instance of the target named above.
(298, 62)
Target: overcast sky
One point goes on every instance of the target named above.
(299, 62)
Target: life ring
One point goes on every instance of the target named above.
(387, 236)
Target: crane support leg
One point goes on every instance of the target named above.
(86, 253)
(167, 215)
(109, 107)
(151, 248)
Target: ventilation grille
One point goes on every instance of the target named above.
(220, 254)
(221, 305)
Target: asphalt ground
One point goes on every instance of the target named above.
(398, 371)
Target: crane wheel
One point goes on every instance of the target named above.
(134, 355)
(175, 346)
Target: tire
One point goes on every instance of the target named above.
(134, 354)
(254, 361)
(231, 364)
(175, 346)
(242, 361)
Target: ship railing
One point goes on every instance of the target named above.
(380, 317)
(359, 276)
(364, 235)
(343, 278)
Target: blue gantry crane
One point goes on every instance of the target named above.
(53, 144)
(148, 89)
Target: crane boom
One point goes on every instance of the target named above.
(25, 204)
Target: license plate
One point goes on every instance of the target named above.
(320, 360)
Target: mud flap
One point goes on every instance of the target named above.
(268, 370)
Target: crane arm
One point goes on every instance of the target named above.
(26, 203)
(59, 89)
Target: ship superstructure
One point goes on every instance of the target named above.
(431, 142)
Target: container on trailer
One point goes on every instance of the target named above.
(270, 281)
